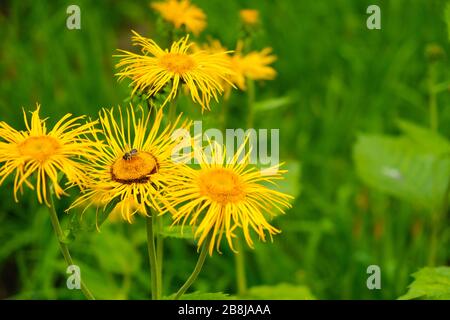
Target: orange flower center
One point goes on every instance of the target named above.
(221, 185)
(39, 148)
(134, 169)
(177, 62)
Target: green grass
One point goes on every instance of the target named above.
(341, 79)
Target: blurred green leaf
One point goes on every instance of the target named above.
(273, 103)
(177, 232)
(101, 284)
(89, 221)
(282, 291)
(430, 284)
(425, 139)
(414, 166)
(291, 184)
(19, 240)
(115, 253)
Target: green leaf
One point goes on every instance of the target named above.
(274, 103)
(426, 140)
(291, 182)
(89, 221)
(282, 291)
(430, 284)
(177, 232)
(114, 252)
(202, 296)
(414, 166)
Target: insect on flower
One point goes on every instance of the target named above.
(129, 155)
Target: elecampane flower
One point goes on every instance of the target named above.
(254, 65)
(182, 14)
(44, 153)
(201, 72)
(134, 162)
(225, 195)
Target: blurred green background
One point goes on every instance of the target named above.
(340, 91)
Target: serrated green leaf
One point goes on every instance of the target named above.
(414, 167)
(177, 232)
(202, 296)
(282, 291)
(430, 284)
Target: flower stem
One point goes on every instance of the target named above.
(250, 103)
(435, 227)
(432, 102)
(239, 257)
(156, 286)
(434, 121)
(172, 113)
(239, 260)
(63, 247)
(196, 272)
(159, 250)
(224, 114)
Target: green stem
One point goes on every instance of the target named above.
(152, 258)
(224, 114)
(60, 235)
(196, 272)
(239, 258)
(433, 112)
(435, 227)
(172, 114)
(433, 239)
(432, 103)
(250, 103)
(159, 250)
(241, 279)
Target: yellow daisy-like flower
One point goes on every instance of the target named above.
(134, 163)
(182, 13)
(45, 153)
(224, 195)
(201, 72)
(214, 46)
(249, 16)
(255, 66)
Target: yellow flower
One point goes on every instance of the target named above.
(182, 13)
(214, 46)
(224, 195)
(249, 16)
(200, 72)
(255, 66)
(134, 163)
(46, 153)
